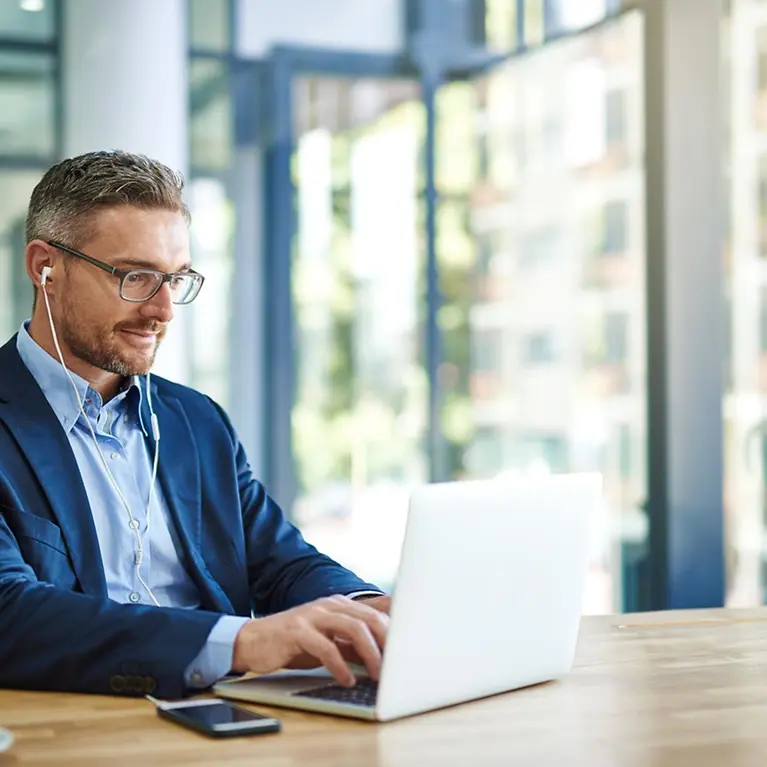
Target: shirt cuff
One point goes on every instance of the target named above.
(358, 594)
(215, 659)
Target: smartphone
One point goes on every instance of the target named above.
(217, 718)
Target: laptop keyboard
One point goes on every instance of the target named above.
(362, 694)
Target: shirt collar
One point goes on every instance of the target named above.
(54, 382)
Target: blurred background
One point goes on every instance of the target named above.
(449, 239)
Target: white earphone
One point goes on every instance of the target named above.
(132, 522)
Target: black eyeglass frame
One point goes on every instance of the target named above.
(122, 274)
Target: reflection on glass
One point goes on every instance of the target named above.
(745, 406)
(359, 416)
(26, 104)
(210, 25)
(15, 288)
(27, 19)
(541, 261)
(211, 115)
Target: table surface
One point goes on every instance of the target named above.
(673, 688)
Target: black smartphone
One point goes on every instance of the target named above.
(217, 718)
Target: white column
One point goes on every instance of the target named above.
(125, 87)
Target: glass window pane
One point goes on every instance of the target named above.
(211, 115)
(745, 405)
(501, 24)
(535, 25)
(26, 104)
(27, 19)
(357, 280)
(15, 287)
(542, 273)
(556, 16)
(209, 25)
(212, 241)
(459, 156)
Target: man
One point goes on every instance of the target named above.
(93, 597)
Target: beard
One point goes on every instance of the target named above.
(99, 346)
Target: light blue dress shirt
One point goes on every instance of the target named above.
(120, 434)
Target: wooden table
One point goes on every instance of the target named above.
(684, 688)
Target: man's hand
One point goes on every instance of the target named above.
(326, 632)
(382, 603)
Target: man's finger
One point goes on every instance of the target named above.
(326, 652)
(350, 628)
(375, 620)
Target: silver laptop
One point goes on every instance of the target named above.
(487, 600)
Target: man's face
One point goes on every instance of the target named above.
(97, 325)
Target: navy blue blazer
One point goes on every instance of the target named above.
(58, 628)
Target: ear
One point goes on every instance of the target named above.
(40, 257)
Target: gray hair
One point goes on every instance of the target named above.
(64, 203)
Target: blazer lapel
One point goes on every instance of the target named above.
(37, 431)
(179, 474)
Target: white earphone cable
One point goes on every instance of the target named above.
(133, 523)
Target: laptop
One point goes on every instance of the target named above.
(487, 600)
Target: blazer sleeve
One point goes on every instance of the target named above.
(53, 639)
(283, 569)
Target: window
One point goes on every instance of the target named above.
(210, 25)
(485, 455)
(761, 200)
(211, 115)
(609, 339)
(538, 348)
(614, 233)
(625, 451)
(616, 338)
(28, 139)
(501, 24)
(31, 20)
(15, 288)
(539, 248)
(763, 319)
(615, 117)
(26, 104)
(535, 24)
(532, 451)
(359, 414)
(486, 350)
(212, 207)
(761, 59)
(563, 383)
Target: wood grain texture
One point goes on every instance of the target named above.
(657, 689)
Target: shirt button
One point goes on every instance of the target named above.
(134, 597)
(133, 524)
(114, 456)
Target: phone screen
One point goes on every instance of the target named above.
(218, 713)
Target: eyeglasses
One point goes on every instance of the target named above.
(138, 285)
